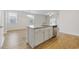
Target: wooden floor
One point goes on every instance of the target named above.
(62, 41)
(17, 40)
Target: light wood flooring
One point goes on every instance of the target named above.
(62, 41)
(17, 40)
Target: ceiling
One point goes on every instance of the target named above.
(41, 12)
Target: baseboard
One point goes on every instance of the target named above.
(16, 29)
(73, 34)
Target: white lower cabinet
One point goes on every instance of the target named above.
(37, 36)
(50, 32)
(30, 38)
(46, 36)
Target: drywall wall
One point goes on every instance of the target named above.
(1, 18)
(21, 21)
(69, 21)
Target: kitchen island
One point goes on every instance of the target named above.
(38, 35)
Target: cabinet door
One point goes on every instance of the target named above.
(38, 36)
(31, 37)
(50, 32)
(46, 36)
(41, 35)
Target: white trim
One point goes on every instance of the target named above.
(16, 29)
(70, 33)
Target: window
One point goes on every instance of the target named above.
(53, 20)
(31, 19)
(12, 18)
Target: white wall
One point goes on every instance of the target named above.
(69, 22)
(1, 18)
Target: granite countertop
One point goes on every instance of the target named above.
(43, 26)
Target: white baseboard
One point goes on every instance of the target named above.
(69, 33)
(16, 29)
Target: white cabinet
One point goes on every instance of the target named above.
(30, 37)
(39, 35)
(50, 32)
(46, 36)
